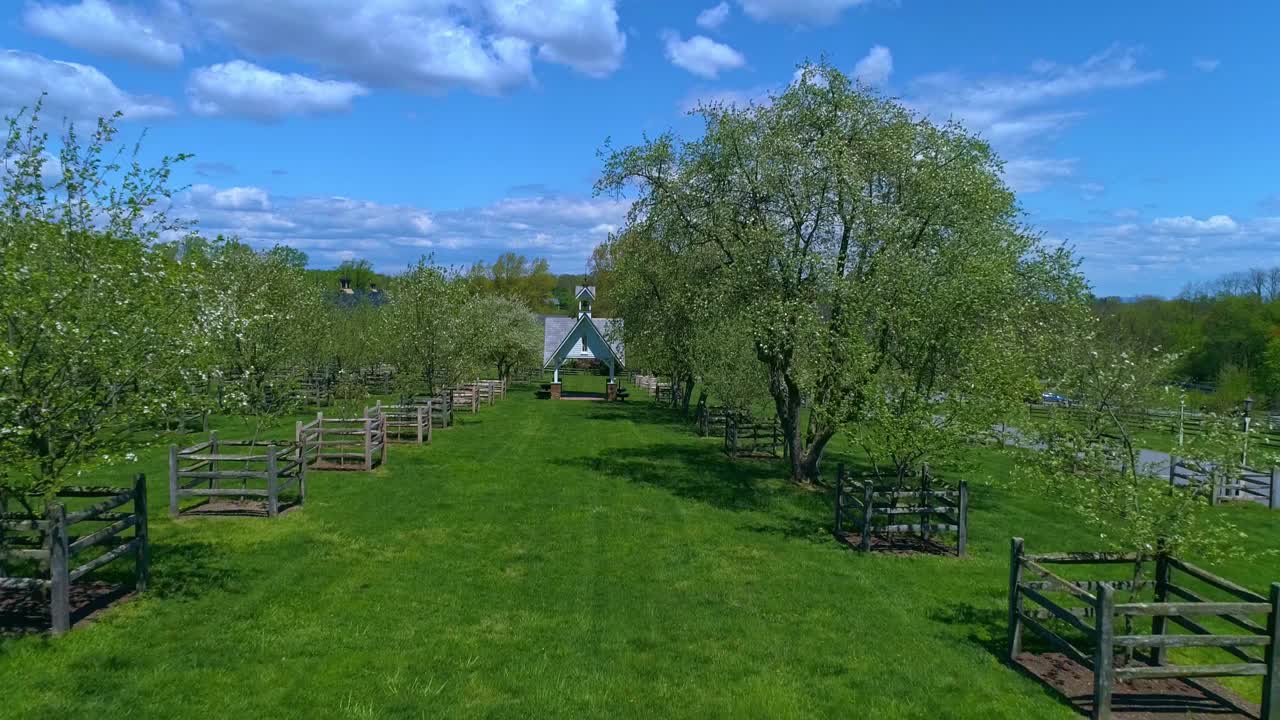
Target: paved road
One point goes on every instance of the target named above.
(1154, 463)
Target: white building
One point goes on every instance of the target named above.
(582, 338)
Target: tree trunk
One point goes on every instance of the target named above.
(687, 394)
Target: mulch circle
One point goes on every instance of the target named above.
(897, 544)
(1139, 699)
(26, 612)
(235, 508)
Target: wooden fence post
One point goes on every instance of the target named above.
(173, 481)
(213, 465)
(926, 502)
(368, 442)
(1160, 623)
(430, 411)
(273, 483)
(59, 569)
(839, 499)
(1274, 499)
(142, 554)
(1271, 681)
(385, 438)
(962, 524)
(1015, 599)
(868, 513)
(1104, 653)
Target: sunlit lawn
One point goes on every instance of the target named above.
(557, 559)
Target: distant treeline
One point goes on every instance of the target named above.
(1226, 332)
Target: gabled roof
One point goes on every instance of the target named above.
(588, 290)
(559, 333)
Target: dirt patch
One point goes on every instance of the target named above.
(235, 508)
(1140, 699)
(26, 612)
(898, 544)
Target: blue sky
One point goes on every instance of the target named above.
(1146, 135)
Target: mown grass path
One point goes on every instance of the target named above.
(546, 559)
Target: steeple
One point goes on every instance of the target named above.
(585, 294)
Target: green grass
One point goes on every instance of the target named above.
(556, 559)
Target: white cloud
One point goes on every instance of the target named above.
(714, 16)
(1092, 190)
(1187, 225)
(98, 27)
(235, 198)
(78, 92)
(242, 88)
(582, 34)
(874, 69)
(1019, 113)
(563, 229)
(1163, 255)
(486, 46)
(1016, 102)
(758, 95)
(701, 55)
(1035, 174)
(1206, 64)
(807, 12)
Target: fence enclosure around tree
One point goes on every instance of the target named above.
(40, 552)
(914, 511)
(711, 419)
(1081, 619)
(357, 443)
(1244, 483)
(748, 438)
(407, 423)
(221, 471)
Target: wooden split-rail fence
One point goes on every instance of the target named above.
(746, 437)
(926, 512)
(273, 473)
(408, 423)
(492, 390)
(711, 419)
(1243, 483)
(1264, 427)
(648, 382)
(345, 443)
(466, 396)
(86, 525)
(1081, 619)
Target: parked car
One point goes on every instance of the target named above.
(1053, 399)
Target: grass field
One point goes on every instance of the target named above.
(558, 559)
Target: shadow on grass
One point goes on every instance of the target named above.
(1071, 684)
(186, 570)
(702, 473)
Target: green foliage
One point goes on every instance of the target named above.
(1090, 460)
(100, 337)
(424, 328)
(504, 334)
(263, 314)
(515, 276)
(873, 262)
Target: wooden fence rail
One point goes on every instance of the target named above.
(345, 443)
(270, 472)
(711, 419)
(1244, 483)
(1264, 427)
(466, 396)
(54, 541)
(925, 511)
(1082, 620)
(407, 423)
(744, 437)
